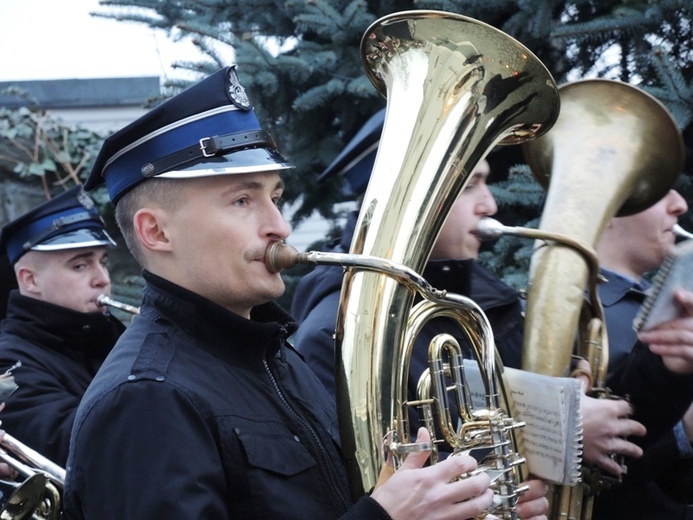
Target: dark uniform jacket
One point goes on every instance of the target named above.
(199, 413)
(60, 351)
(661, 483)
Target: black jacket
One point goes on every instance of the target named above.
(199, 413)
(60, 351)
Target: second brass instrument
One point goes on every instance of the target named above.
(614, 150)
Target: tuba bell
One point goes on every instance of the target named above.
(455, 88)
(614, 151)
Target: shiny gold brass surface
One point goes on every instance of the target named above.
(489, 429)
(455, 88)
(613, 150)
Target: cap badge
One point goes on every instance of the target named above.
(236, 91)
(85, 201)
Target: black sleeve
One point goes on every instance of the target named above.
(366, 509)
(659, 396)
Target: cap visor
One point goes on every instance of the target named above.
(75, 239)
(245, 161)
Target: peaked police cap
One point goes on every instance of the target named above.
(355, 162)
(208, 129)
(67, 221)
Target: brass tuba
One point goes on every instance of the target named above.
(614, 150)
(455, 88)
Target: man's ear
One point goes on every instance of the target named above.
(150, 228)
(26, 279)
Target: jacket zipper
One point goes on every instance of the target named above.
(321, 447)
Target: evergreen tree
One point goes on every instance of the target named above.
(300, 61)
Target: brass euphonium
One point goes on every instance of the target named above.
(455, 88)
(614, 151)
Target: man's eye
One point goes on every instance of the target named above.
(241, 202)
(277, 201)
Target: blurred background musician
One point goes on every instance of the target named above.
(660, 485)
(54, 326)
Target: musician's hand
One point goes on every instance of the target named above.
(533, 504)
(673, 340)
(415, 492)
(606, 425)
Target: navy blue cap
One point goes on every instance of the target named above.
(355, 161)
(208, 129)
(68, 221)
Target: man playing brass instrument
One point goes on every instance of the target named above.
(661, 484)
(54, 325)
(203, 410)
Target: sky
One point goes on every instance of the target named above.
(58, 39)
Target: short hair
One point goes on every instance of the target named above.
(165, 193)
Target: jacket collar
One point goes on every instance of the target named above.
(59, 328)
(225, 334)
(619, 286)
(469, 278)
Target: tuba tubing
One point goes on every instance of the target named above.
(495, 428)
(490, 229)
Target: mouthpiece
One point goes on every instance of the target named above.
(105, 301)
(680, 232)
(280, 256)
(489, 229)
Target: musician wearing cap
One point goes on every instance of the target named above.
(203, 409)
(55, 334)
